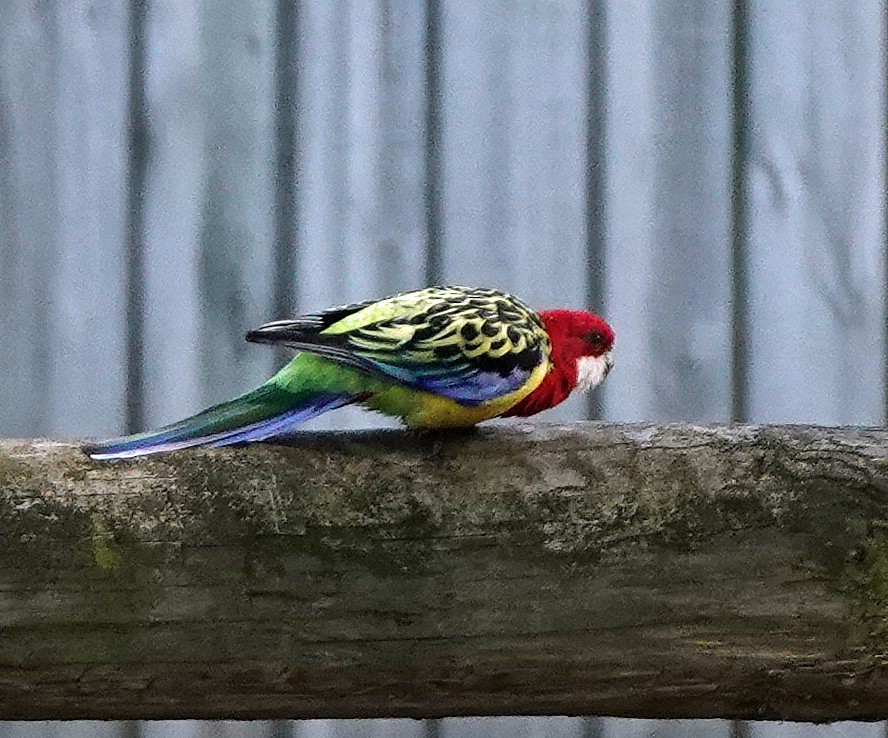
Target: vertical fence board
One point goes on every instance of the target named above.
(236, 240)
(514, 165)
(475, 144)
(67, 729)
(517, 727)
(176, 175)
(88, 291)
(630, 728)
(816, 192)
(361, 221)
(669, 209)
(629, 391)
(402, 238)
(801, 730)
(209, 729)
(337, 218)
(28, 41)
(62, 151)
(209, 204)
(358, 729)
(514, 102)
(361, 213)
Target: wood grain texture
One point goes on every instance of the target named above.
(672, 571)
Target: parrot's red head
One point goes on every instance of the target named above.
(581, 357)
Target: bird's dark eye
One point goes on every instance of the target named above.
(596, 339)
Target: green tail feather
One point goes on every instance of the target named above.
(260, 414)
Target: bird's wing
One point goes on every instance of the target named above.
(469, 345)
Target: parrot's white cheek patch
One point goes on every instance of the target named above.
(591, 370)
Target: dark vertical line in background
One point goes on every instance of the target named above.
(885, 218)
(285, 150)
(136, 184)
(593, 728)
(596, 168)
(739, 214)
(283, 729)
(130, 729)
(740, 729)
(48, 193)
(431, 728)
(432, 148)
(286, 55)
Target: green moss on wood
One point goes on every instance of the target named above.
(865, 582)
(105, 550)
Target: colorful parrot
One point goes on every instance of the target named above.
(441, 357)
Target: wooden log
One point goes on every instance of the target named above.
(630, 570)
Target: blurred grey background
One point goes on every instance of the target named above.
(708, 174)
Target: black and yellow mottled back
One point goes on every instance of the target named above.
(484, 327)
(470, 344)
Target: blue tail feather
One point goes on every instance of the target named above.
(261, 414)
(283, 423)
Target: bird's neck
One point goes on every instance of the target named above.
(558, 383)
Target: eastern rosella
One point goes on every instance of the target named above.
(442, 357)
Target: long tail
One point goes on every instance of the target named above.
(263, 413)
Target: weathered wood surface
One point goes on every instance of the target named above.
(672, 571)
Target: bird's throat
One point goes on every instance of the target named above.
(591, 370)
(554, 388)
